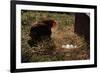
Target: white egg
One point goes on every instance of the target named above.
(67, 46)
(75, 46)
(71, 46)
(63, 46)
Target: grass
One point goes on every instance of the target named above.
(63, 33)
